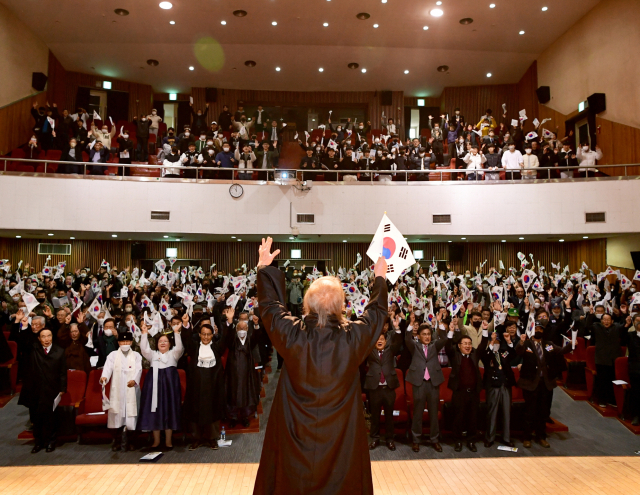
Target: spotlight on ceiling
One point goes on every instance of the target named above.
(320, 69)
(274, 23)
(489, 74)
(364, 70)
(240, 13)
(466, 21)
(172, 22)
(560, 240)
(443, 68)
(544, 9)
(375, 26)
(192, 67)
(521, 32)
(425, 27)
(224, 23)
(153, 63)
(250, 63)
(363, 16)
(325, 24)
(406, 71)
(121, 12)
(492, 6)
(436, 12)
(277, 69)
(353, 65)
(166, 5)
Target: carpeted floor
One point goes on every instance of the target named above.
(589, 435)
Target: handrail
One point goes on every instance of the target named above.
(368, 173)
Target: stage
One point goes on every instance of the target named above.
(482, 476)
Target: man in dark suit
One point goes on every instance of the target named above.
(425, 375)
(498, 380)
(633, 344)
(45, 379)
(542, 363)
(380, 383)
(466, 383)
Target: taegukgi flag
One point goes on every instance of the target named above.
(391, 244)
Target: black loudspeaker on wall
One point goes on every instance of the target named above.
(597, 102)
(38, 81)
(211, 94)
(544, 94)
(456, 251)
(635, 256)
(385, 98)
(138, 251)
(322, 266)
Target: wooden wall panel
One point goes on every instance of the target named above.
(527, 97)
(475, 100)
(231, 255)
(16, 122)
(57, 83)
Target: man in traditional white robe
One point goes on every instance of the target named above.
(124, 369)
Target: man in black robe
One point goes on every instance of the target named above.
(316, 441)
(46, 377)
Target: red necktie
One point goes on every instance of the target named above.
(46, 351)
(382, 380)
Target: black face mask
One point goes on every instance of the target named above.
(476, 324)
(40, 299)
(544, 323)
(537, 335)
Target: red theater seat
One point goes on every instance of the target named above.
(76, 387)
(91, 411)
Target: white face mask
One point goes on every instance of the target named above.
(632, 289)
(242, 334)
(105, 131)
(599, 316)
(536, 305)
(528, 152)
(144, 119)
(585, 148)
(211, 152)
(496, 347)
(512, 148)
(202, 138)
(187, 134)
(176, 328)
(125, 347)
(108, 332)
(226, 150)
(101, 321)
(209, 143)
(154, 113)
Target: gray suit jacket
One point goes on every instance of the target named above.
(415, 373)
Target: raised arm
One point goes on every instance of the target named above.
(366, 329)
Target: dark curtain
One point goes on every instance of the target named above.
(159, 106)
(82, 98)
(407, 121)
(184, 115)
(117, 105)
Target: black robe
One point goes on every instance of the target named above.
(241, 377)
(45, 378)
(204, 401)
(316, 440)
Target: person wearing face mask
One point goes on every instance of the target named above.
(437, 138)
(76, 354)
(455, 128)
(529, 160)
(241, 380)
(245, 162)
(498, 380)
(633, 346)
(125, 152)
(243, 127)
(295, 289)
(104, 337)
(172, 163)
(71, 153)
(154, 122)
(185, 139)
(607, 336)
(458, 151)
(226, 160)
(466, 383)
(475, 164)
(587, 159)
(512, 162)
(476, 328)
(423, 161)
(142, 137)
(124, 369)
(457, 118)
(170, 138)
(558, 322)
(104, 136)
(542, 363)
(204, 403)
(160, 398)
(207, 160)
(199, 119)
(567, 158)
(224, 119)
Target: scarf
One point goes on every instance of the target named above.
(206, 358)
(129, 363)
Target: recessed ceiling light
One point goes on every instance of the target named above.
(364, 70)
(384, 1)
(121, 12)
(165, 236)
(406, 71)
(18, 236)
(291, 237)
(325, 24)
(521, 32)
(438, 3)
(521, 238)
(274, 23)
(544, 9)
(363, 16)
(224, 23)
(488, 74)
(492, 6)
(233, 236)
(463, 238)
(320, 69)
(172, 22)
(375, 26)
(443, 68)
(239, 240)
(114, 235)
(436, 12)
(560, 240)
(177, 240)
(344, 240)
(353, 65)
(153, 63)
(250, 63)
(192, 67)
(425, 27)
(166, 5)
(240, 13)
(449, 241)
(49, 234)
(585, 236)
(466, 21)
(503, 240)
(277, 69)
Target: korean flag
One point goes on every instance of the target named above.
(390, 243)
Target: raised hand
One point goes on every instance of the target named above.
(380, 270)
(266, 256)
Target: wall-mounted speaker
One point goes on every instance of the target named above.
(38, 81)
(597, 102)
(211, 94)
(544, 94)
(138, 251)
(385, 98)
(635, 256)
(456, 251)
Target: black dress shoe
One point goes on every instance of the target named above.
(635, 421)
(150, 448)
(487, 444)
(391, 445)
(245, 422)
(167, 448)
(458, 447)
(36, 449)
(213, 445)
(415, 447)
(374, 444)
(472, 447)
(195, 445)
(116, 447)
(51, 447)
(437, 447)
(508, 444)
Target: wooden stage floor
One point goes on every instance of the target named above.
(482, 476)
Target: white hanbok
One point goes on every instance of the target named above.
(124, 401)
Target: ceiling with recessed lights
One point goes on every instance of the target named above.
(299, 38)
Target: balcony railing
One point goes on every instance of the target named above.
(48, 168)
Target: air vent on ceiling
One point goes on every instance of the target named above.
(441, 218)
(160, 215)
(308, 218)
(49, 248)
(599, 216)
